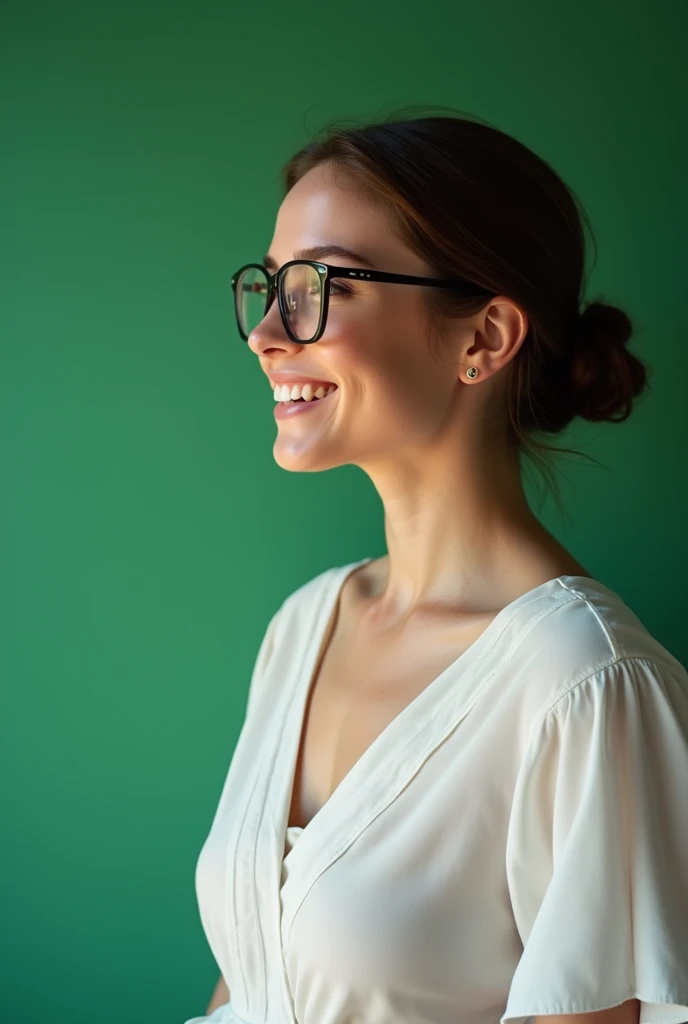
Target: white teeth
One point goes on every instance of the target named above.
(284, 393)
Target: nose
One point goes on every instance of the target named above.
(270, 334)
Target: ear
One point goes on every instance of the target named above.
(495, 336)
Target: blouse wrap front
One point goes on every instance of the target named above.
(514, 842)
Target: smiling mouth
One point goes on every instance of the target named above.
(296, 406)
(309, 401)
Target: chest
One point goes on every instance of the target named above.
(361, 682)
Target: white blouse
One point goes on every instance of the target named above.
(514, 842)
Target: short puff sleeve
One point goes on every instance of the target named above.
(597, 848)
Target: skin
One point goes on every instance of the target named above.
(461, 539)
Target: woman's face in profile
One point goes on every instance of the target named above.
(392, 392)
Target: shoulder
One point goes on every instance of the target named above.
(288, 630)
(309, 599)
(582, 612)
(576, 638)
(310, 592)
(617, 695)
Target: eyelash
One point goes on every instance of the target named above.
(341, 289)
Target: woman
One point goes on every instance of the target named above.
(460, 795)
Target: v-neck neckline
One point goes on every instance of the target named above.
(312, 659)
(314, 655)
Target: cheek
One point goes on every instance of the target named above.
(406, 376)
(386, 369)
(393, 405)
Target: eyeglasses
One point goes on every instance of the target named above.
(303, 294)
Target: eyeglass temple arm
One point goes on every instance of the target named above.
(381, 275)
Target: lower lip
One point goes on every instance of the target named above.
(284, 410)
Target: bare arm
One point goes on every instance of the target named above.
(219, 997)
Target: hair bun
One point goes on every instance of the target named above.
(603, 325)
(604, 376)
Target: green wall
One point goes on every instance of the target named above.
(147, 534)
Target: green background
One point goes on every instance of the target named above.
(147, 534)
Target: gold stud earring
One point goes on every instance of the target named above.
(472, 372)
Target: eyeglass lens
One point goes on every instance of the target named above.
(301, 295)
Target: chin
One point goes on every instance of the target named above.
(294, 457)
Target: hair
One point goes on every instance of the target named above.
(474, 202)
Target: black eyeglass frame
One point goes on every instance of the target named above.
(327, 271)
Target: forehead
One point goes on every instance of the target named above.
(319, 210)
(318, 203)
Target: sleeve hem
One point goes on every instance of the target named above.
(652, 1011)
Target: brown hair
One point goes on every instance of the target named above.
(476, 203)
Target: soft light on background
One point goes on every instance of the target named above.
(147, 534)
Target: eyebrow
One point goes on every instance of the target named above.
(320, 252)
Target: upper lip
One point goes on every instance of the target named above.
(292, 377)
